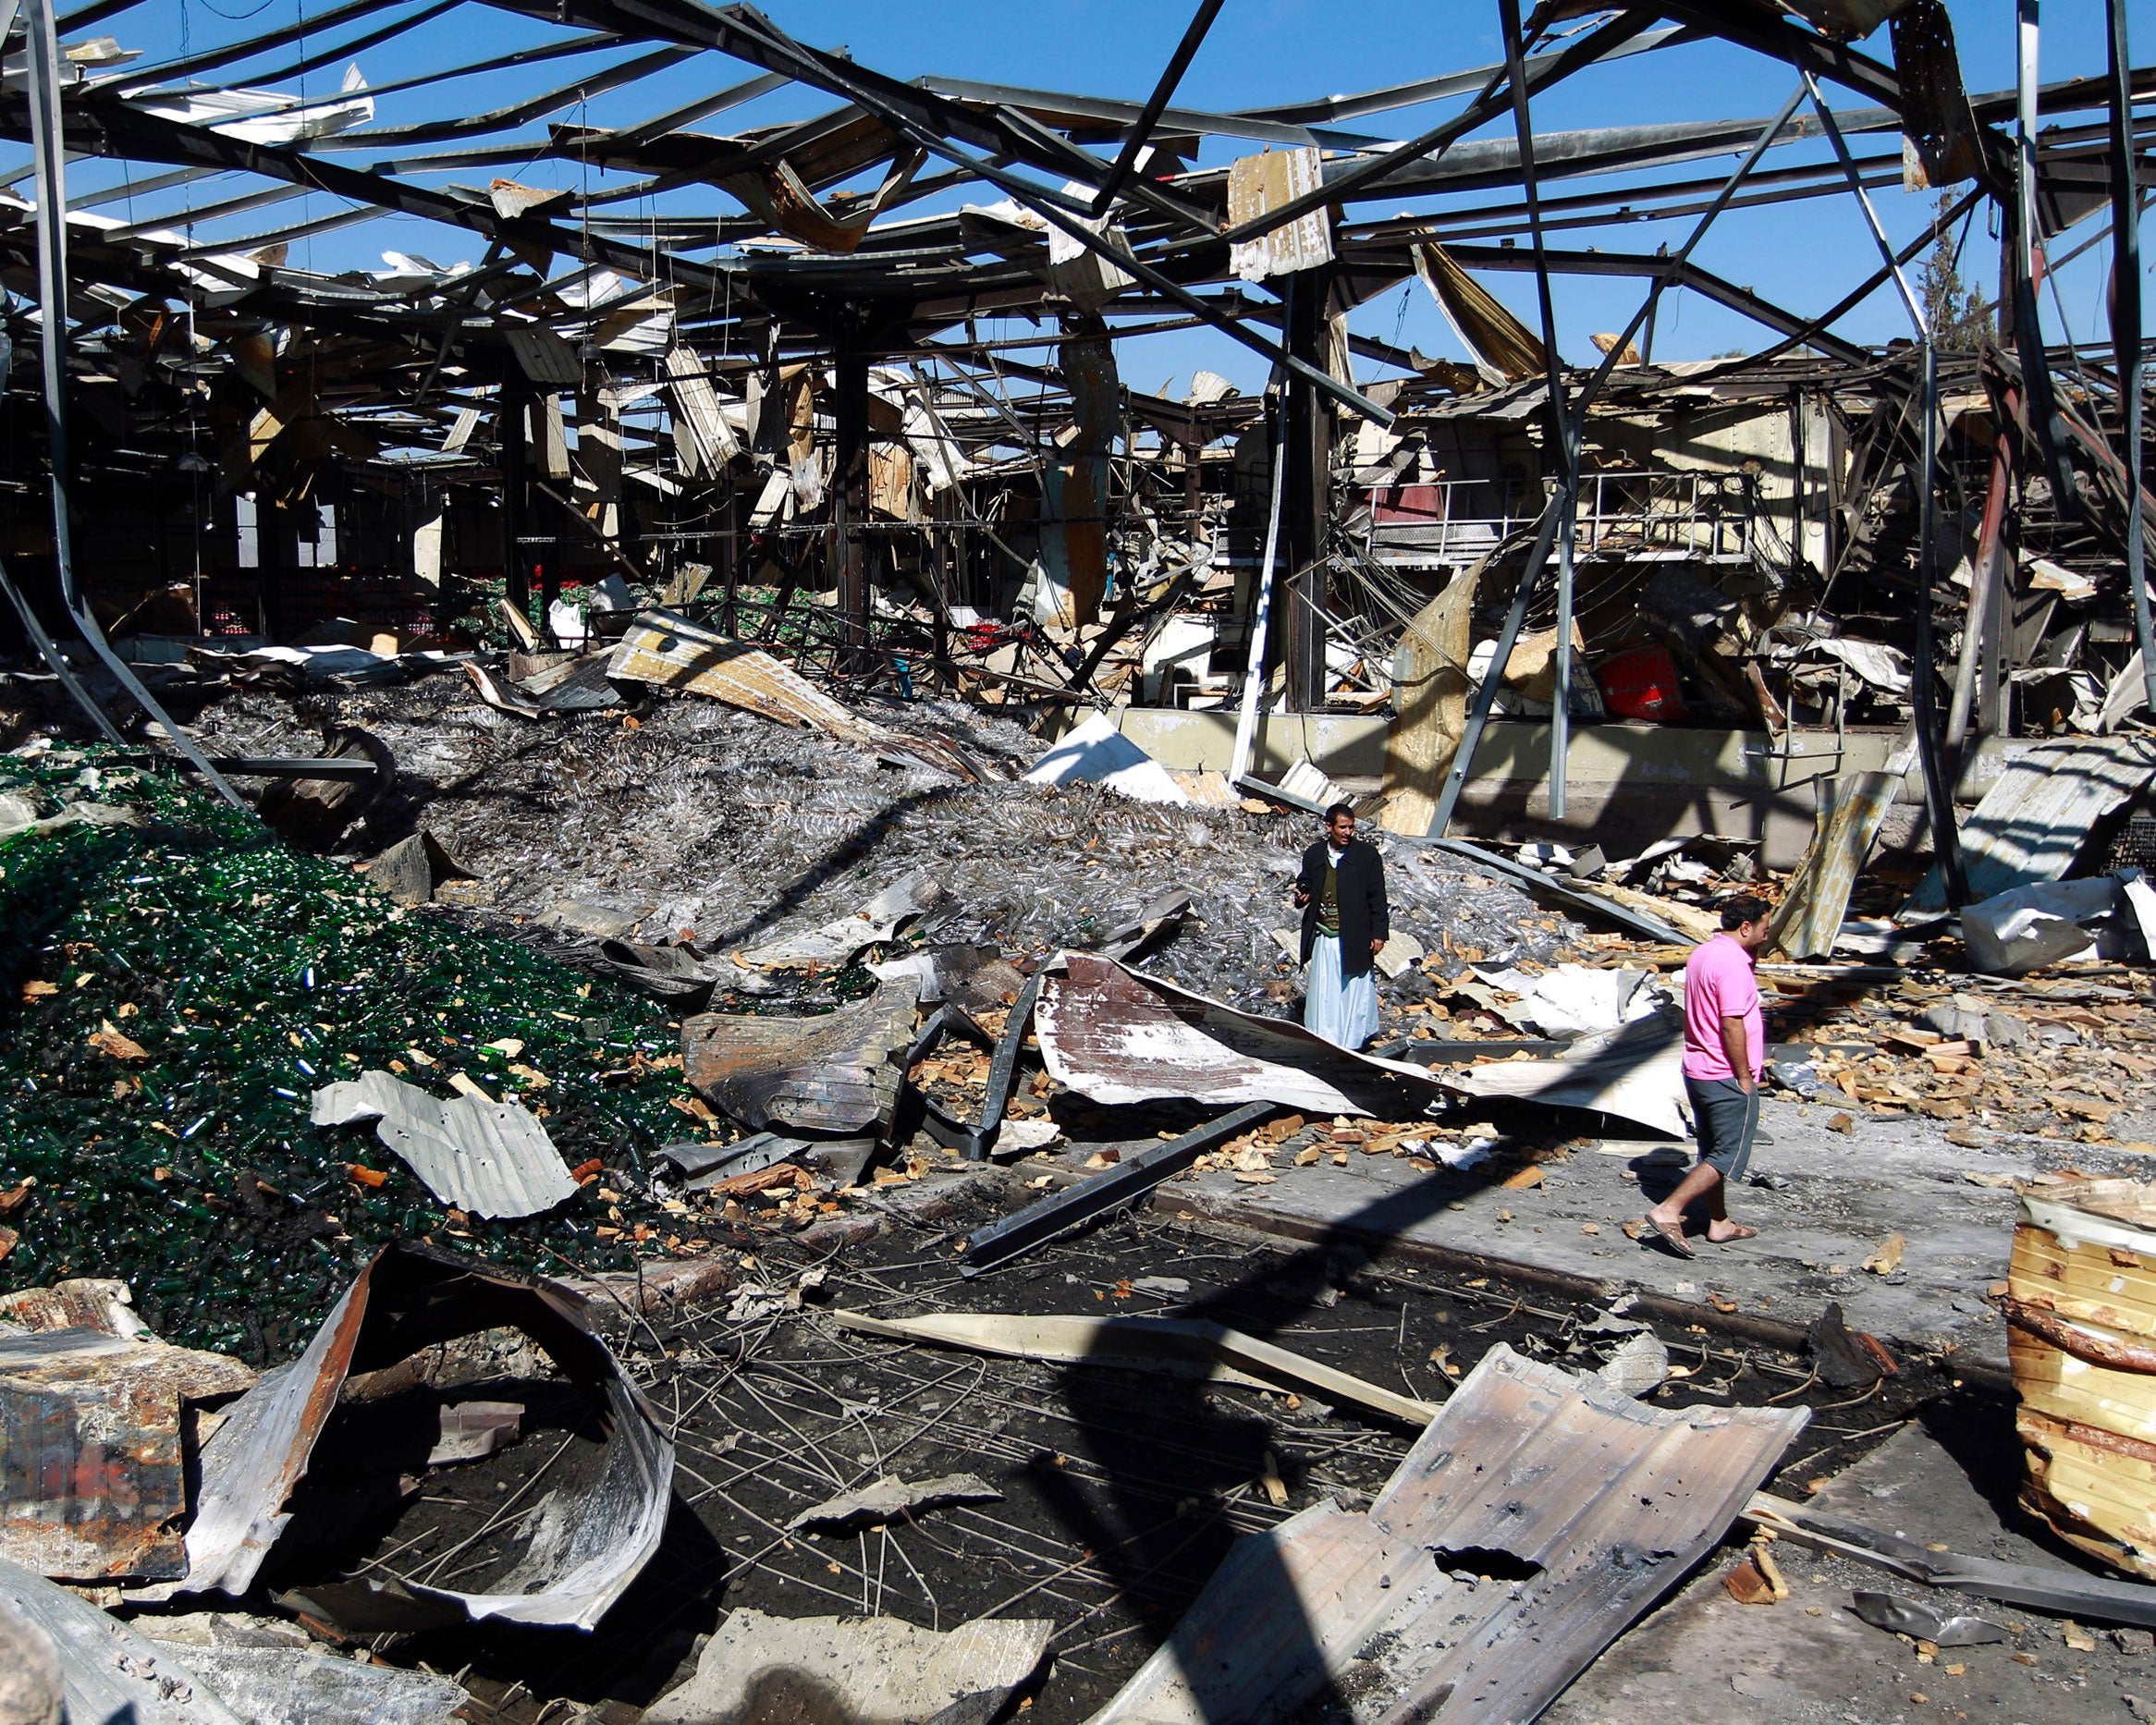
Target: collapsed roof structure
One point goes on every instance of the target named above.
(654, 564)
(748, 369)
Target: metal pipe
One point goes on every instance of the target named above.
(1261, 612)
(1564, 424)
(1923, 686)
(1985, 587)
(1937, 793)
(2126, 330)
(48, 143)
(1177, 63)
(2026, 40)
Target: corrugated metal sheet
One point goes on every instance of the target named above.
(1116, 1036)
(582, 1549)
(1262, 182)
(670, 651)
(2034, 821)
(93, 1482)
(1816, 898)
(834, 942)
(1534, 1517)
(1635, 1073)
(111, 1674)
(837, 1073)
(544, 358)
(666, 649)
(492, 1158)
(711, 441)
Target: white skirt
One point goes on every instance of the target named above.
(1339, 1009)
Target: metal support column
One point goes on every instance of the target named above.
(850, 499)
(1306, 499)
(47, 140)
(1938, 792)
(513, 443)
(2125, 327)
(1563, 452)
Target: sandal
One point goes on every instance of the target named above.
(1670, 1234)
(1737, 1230)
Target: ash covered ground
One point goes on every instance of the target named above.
(681, 814)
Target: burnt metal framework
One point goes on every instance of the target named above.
(654, 264)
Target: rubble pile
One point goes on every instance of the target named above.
(2059, 1058)
(652, 1061)
(699, 823)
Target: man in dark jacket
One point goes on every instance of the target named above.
(1345, 925)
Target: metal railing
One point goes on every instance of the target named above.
(1620, 510)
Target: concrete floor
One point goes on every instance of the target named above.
(1811, 1660)
(1845, 1194)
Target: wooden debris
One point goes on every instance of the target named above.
(2081, 1307)
(1886, 1257)
(1183, 1345)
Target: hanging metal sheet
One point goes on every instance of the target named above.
(673, 652)
(1259, 184)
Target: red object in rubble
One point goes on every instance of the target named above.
(1641, 684)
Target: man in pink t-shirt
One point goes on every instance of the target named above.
(1725, 1052)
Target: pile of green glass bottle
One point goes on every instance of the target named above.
(171, 995)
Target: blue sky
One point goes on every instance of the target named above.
(1260, 51)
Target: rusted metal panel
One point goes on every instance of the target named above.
(81, 1303)
(1259, 184)
(1816, 898)
(2081, 1316)
(1938, 120)
(1116, 1036)
(837, 1073)
(1534, 1517)
(590, 1537)
(92, 1486)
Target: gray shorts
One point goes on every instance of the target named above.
(1724, 1119)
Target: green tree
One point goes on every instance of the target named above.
(1960, 317)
